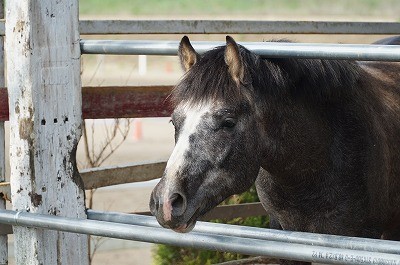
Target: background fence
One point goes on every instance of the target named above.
(151, 101)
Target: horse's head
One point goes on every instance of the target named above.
(216, 134)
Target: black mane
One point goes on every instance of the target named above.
(209, 80)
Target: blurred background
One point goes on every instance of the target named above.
(137, 140)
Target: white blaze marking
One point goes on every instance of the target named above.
(193, 118)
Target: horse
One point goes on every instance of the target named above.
(319, 138)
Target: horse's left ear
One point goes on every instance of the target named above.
(234, 60)
(187, 55)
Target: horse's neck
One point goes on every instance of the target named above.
(295, 141)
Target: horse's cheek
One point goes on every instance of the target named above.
(251, 147)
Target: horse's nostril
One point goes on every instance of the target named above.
(178, 203)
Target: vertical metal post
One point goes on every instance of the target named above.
(45, 103)
(3, 238)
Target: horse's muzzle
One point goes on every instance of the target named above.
(169, 207)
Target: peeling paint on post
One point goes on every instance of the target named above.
(43, 60)
(3, 238)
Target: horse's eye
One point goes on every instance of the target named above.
(229, 123)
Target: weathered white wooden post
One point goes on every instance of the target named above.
(3, 238)
(43, 80)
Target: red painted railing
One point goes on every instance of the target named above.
(115, 102)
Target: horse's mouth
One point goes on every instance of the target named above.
(189, 225)
(185, 228)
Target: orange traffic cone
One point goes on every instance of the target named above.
(137, 129)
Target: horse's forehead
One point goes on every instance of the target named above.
(190, 117)
(194, 110)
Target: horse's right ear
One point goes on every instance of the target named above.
(187, 55)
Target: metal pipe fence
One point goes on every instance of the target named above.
(248, 246)
(246, 240)
(112, 27)
(361, 52)
(365, 244)
(234, 27)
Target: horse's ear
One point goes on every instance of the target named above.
(234, 60)
(187, 55)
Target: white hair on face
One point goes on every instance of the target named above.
(193, 117)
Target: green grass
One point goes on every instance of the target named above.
(377, 8)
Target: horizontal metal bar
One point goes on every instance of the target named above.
(198, 240)
(225, 212)
(363, 52)
(87, 27)
(234, 27)
(365, 244)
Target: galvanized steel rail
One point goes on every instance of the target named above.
(199, 240)
(112, 27)
(235, 27)
(312, 239)
(361, 52)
